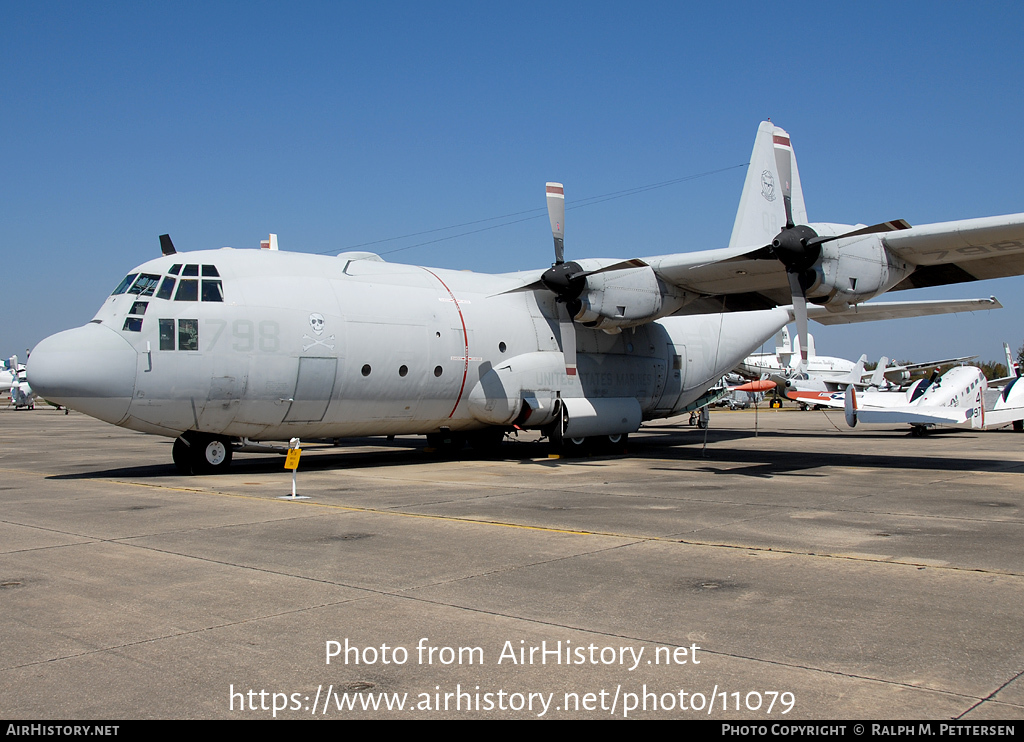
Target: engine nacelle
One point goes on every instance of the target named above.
(625, 298)
(898, 377)
(851, 271)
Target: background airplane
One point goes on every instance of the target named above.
(829, 373)
(960, 397)
(226, 349)
(14, 379)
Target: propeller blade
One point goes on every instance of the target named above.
(892, 226)
(620, 266)
(850, 406)
(800, 313)
(567, 332)
(556, 215)
(166, 246)
(784, 164)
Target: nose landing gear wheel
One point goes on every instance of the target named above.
(197, 453)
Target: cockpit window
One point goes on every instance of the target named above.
(139, 307)
(166, 289)
(188, 290)
(190, 270)
(188, 334)
(123, 286)
(174, 269)
(144, 285)
(210, 270)
(212, 291)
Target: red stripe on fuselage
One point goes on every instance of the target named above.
(465, 337)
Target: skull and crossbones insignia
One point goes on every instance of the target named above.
(316, 322)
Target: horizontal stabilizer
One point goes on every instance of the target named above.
(879, 310)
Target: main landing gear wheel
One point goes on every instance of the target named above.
(487, 442)
(615, 443)
(198, 453)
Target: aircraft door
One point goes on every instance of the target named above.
(658, 386)
(313, 389)
(675, 381)
(228, 379)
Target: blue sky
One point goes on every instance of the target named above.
(337, 124)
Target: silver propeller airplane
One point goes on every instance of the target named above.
(232, 349)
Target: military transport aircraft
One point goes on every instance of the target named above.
(230, 349)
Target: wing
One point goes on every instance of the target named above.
(960, 251)
(775, 258)
(771, 242)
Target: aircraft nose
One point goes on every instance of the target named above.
(90, 369)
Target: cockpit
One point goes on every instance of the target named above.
(184, 282)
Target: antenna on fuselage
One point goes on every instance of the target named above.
(166, 246)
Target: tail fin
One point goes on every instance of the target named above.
(782, 342)
(797, 358)
(857, 374)
(1012, 367)
(878, 378)
(762, 213)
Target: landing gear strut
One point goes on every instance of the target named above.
(200, 453)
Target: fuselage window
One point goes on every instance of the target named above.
(174, 269)
(167, 334)
(190, 270)
(144, 285)
(139, 307)
(210, 270)
(188, 334)
(188, 290)
(133, 324)
(212, 291)
(166, 289)
(123, 286)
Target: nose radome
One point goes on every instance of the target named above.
(90, 369)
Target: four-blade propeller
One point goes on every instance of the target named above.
(798, 247)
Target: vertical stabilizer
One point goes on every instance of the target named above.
(782, 342)
(878, 377)
(1012, 367)
(762, 212)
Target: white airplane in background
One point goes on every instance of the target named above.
(14, 379)
(224, 349)
(826, 373)
(811, 391)
(960, 397)
(6, 376)
(785, 359)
